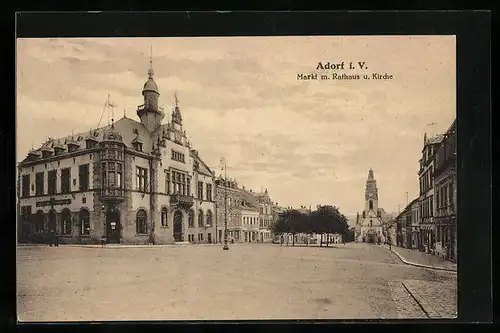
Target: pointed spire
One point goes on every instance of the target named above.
(124, 112)
(150, 71)
(176, 100)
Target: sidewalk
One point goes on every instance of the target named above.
(422, 259)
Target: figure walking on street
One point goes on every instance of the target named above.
(56, 239)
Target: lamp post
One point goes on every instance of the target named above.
(223, 166)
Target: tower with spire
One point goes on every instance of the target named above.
(369, 226)
(371, 193)
(150, 113)
(176, 114)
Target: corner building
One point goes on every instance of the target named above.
(131, 181)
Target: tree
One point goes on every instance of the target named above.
(290, 222)
(328, 219)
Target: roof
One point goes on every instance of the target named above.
(150, 85)
(435, 139)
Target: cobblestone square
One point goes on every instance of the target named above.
(250, 281)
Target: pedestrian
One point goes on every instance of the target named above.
(103, 240)
(281, 240)
(56, 239)
(51, 238)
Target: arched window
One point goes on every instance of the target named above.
(209, 218)
(371, 222)
(371, 204)
(140, 222)
(200, 218)
(191, 218)
(84, 218)
(52, 220)
(66, 222)
(39, 221)
(164, 216)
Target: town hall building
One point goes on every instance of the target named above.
(132, 181)
(369, 226)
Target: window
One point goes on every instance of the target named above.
(176, 156)
(140, 222)
(180, 183)
(164, 217)
(191, 219)
(209, 192)
(167, 181)
(200, 237)
(200, 190)
(39, 183)
(66, 222)
(26, 186)
(90, 144)
(209, 218)
(65, 180)
(200, 218)
(83, 177)
(84, 222)
(450, 191)
(431, 213)
(371, 204)
(39, 221)
(52, 178)
(141, 178)
(138, 146)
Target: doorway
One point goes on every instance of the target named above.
(113, 227)
(52, 220)
(178, 236)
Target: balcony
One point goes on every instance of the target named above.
(181, 200)
(143, 107)
(112, 194)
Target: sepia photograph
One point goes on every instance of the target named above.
(236, 178)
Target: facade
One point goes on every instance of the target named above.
(266, 216)
(427, 200)
(415, 224)
(228, 189)
(446, 196)
(250, 224)
(369, 226)
(132, 181)
(242, 209)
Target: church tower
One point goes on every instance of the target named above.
(150, 113)
(371, 193)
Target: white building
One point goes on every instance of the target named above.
(131, 181)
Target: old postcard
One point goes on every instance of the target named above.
(236, 178)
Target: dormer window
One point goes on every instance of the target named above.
(72, 146)
(91, 142)
(46, 152)
(137, 143)
(137, 146)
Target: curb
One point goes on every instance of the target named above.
(420, 265)
(422, 303)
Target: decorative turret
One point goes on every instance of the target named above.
(176, 114)
(150, 113)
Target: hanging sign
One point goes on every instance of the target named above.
(53, 202)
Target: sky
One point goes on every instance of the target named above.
(308, 142)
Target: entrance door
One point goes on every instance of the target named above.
(178, 236)
(220, 236)
(52, 220)
(209, 238)
(113, 227)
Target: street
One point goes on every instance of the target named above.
(202, 282)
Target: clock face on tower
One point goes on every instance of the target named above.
(370, 195)
(177, 136)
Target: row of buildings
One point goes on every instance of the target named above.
(134, 182)
(428, 223)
